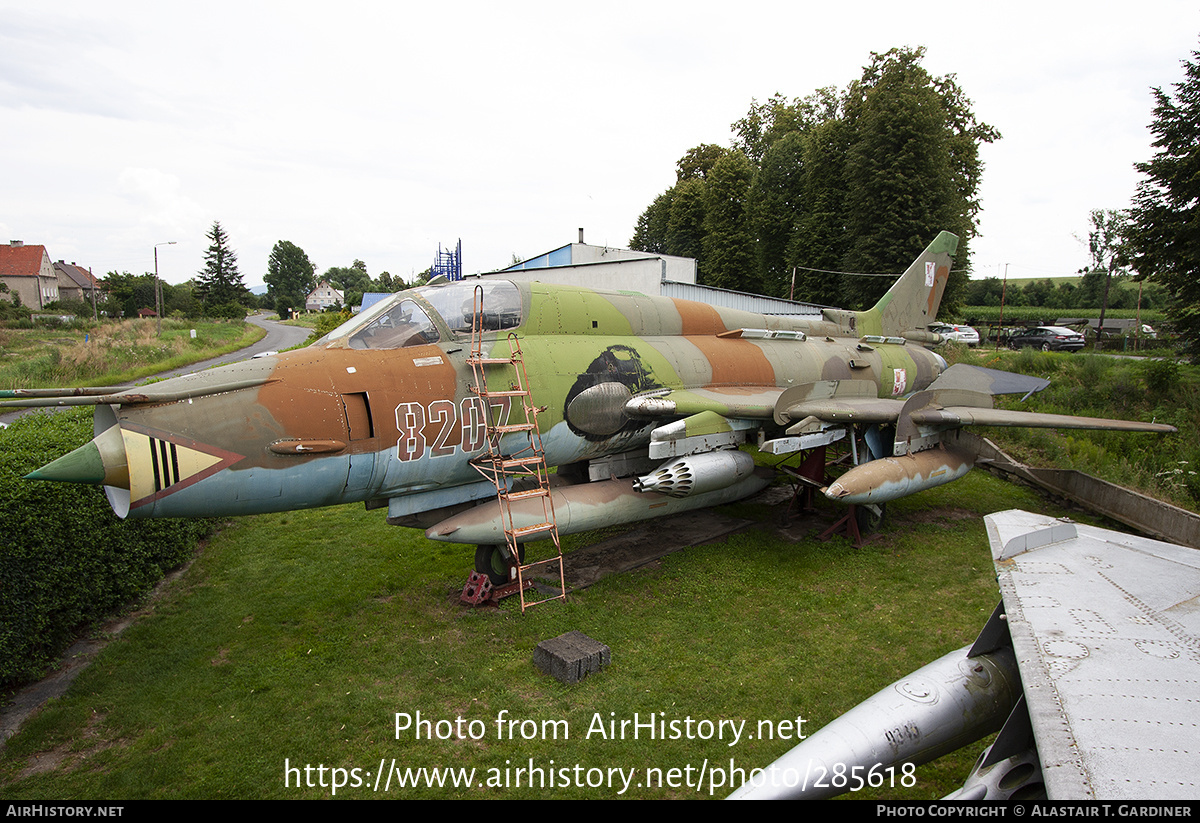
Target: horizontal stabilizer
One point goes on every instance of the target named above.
(987, 381)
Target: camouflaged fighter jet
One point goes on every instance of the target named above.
(643, 402)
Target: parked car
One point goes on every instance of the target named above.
(960, 334)
(1048, 338)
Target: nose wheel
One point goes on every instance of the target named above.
(493, 561)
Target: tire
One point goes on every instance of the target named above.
(867, 520)
(1045, 347)
(490, 560)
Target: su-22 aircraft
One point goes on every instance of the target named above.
(646, 400)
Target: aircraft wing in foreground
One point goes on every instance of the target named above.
(1090, 669)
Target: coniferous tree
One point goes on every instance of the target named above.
(1163, 237)
(219, 284)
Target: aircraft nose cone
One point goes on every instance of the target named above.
(100, 461)
(836, 491)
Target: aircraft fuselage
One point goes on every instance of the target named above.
(332, 423)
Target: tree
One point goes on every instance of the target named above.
(912, 169)
(698, 162)
(685, 224)
(290, 275)
(776, 205)
(1163, 237)
(388, 283)
(1105, 249)
(351, 280)
(219, 283)
(858, 180)
(819, 240)
(651, 231)
(770, 121)
(728, 245)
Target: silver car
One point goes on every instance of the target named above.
(959, 334)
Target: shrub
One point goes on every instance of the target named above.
(68, 560)
(1161, 375)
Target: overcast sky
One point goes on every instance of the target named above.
(376, 130)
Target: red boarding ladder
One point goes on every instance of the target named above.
(523, 467)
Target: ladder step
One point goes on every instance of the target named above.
(527, 566)
(490, 361)
(515, 427)
(507, 393)
(528, 493)
(534, 529)
(512, 462)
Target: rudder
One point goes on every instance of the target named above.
(913, 300)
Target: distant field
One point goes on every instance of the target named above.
(113, 352)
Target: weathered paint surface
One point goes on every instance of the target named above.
(384, 408)
(334, 423)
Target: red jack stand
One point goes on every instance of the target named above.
(480, 589)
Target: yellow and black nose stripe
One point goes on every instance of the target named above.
(161, 465)
(165, 457)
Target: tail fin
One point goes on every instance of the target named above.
(912, 301)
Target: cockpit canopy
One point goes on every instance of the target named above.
(408, 318)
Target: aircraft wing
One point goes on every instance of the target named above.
(920, 457)
(1090, 668)
(1106, 631)
(954, 416)
(960, 396)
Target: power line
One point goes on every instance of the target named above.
(850, 273)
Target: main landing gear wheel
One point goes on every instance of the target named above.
(869, 518)
(490, 560)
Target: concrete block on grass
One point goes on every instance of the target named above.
(571, 657)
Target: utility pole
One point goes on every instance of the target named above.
(1003, 293)
(158, 307)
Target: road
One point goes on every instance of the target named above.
(278, 338)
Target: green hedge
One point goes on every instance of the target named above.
(1022, 314)
(66, 560)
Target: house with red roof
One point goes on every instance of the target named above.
(27, 272)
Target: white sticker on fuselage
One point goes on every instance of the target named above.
(427, 361)
(899, 381)
(930, 271)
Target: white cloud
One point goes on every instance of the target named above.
(378, 130)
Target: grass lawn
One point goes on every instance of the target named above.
(294, 640)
